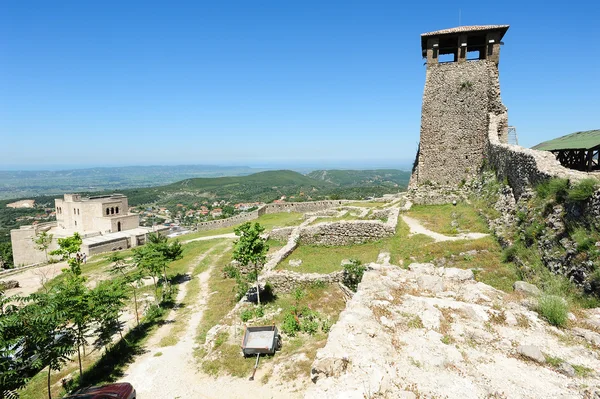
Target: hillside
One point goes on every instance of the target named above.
(262, 186)
(368, 178)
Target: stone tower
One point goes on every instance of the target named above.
(461, 99)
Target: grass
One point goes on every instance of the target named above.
(221, 300)
(320, 259)
(275, 245)
(183, 312)
(439, 218)
(554, 309)
(327, 300)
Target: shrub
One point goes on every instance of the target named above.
(554, 309)
(259, 311)
(555, 187)
(353, 274)
(290, 325)
(310, 325)
(246, 315)
(583, 238)
(231, 271)
(326, 325)
(153, 313)
(509, 254)
(583, 190)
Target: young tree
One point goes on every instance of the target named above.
(151, 262)
(66, 248)
(251, 248)
(42, 241)
(75, 299)
(130, 277)
(109, 299)
(46, 326)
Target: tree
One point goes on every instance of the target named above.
(170, 252)
(74, 298)
(42, 241)
(251, 248)
(66, 248)
(151, 262)
(132, 278)
(6, 257)
(46, 326)
(108, 298)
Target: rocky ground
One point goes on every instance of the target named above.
(430, 332)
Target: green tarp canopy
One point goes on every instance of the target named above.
(574, 141)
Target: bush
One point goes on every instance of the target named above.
(326, 325)
(259, 311)
(353, 274)
(583, 190)
(310, 325)
(554, 309)
(246, 315)
(231, 271)
(555, 187)
(290, 325)
(153, 313)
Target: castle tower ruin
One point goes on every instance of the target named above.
(460, 102)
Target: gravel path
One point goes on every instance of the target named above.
(417, 228)
(227, 235)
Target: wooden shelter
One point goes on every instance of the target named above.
(578, 150)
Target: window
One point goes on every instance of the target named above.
(112, 211)
(76, 223)
(78, 211)
(117, 210)
(74, 211)
(118, 226)
(107, 211)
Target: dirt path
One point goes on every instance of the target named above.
(227, 235)
(173, 372)
(417, 228)
(30, 280)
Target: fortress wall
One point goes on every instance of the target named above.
(285, 281)
(302, 207)
(232, 221)
(269, 208)
(106, 246)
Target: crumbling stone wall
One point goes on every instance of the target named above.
(454, 122)
(302, 206)
(285, 281)
(350, 232)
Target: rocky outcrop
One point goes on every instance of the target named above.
(451, 337)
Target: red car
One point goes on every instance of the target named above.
(122, 390)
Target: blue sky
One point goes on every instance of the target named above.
(267, 82)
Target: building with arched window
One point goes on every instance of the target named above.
(103, 222)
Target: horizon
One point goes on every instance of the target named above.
(117, 84)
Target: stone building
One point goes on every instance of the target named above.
(461, 91)
(103, 222)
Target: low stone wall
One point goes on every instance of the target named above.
(436, 195)
(281, 234)
(349, 232)
(232, 221)
(285, 281)
(303, 206)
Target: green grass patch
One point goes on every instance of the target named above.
(439, 218)
(321, 259)
(275, 245)
(554, 309)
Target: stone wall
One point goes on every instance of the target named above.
(232, 221)
(303, 207)
(281, 234)
(349, 232)
(454, 127)
(284, 281)
(106, 246)
(269, 208)
(23, 247)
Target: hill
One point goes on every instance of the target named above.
(364, 178)
(263, 186)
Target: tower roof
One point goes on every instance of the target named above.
(462, 30)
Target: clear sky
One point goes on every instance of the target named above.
(259, 83)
